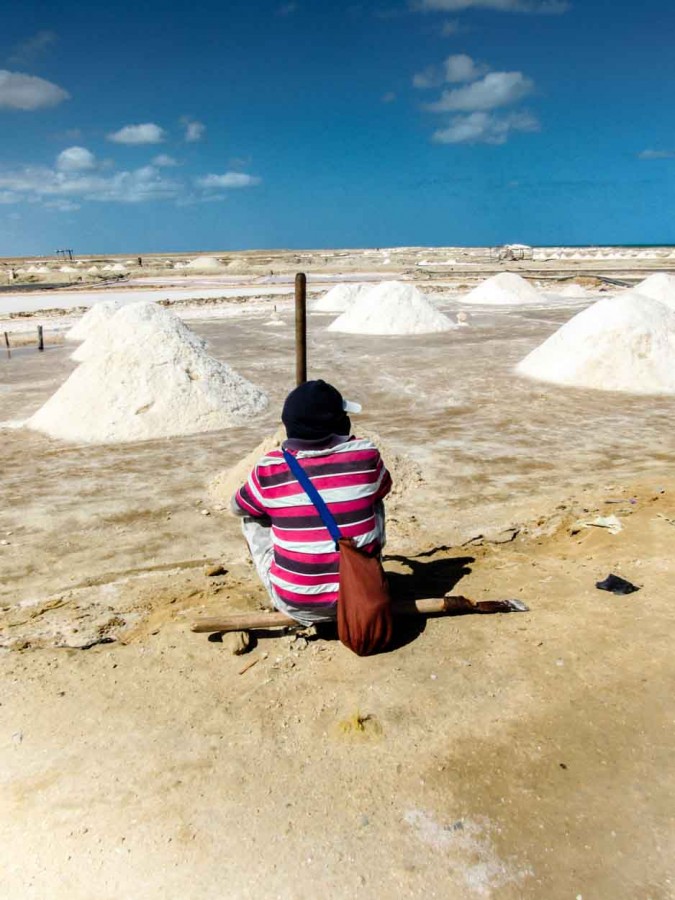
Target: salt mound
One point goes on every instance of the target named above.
(573, 291)
(204, 262)
(238, 267)
(392, 308)
(624, 343)
(92, 320)
(340, 297)
(659, 287)
(135, 324)
(151, 383)
(505, 289)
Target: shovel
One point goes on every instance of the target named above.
(437, 606)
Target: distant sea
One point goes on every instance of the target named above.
(614, 246)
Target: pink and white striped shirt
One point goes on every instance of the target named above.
(352, 479)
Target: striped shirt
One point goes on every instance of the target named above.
(352, 480)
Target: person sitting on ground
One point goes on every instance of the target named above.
(292, 550)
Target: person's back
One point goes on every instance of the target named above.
(293, 552)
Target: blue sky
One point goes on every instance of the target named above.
(231, 125)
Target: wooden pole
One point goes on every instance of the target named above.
(9, 352)
(41, 340)
(436, 606)
(300, 328)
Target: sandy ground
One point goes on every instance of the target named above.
(519, 756)
(513, 757)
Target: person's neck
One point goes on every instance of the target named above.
(324, 443)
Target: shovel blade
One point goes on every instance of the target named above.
(495, 606)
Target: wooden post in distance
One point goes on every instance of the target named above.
(300, 328)
(41, 340)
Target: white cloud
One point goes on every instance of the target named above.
(77, 177)
(28, 92)
(457, 68)
(228, 180)
(539, 7)
(479, 94)
(26, 51)
(164, 161)
(461, 67)
(494, 90)
(40, 183)
(657, 154)
(194, 130)
(147, 133)
(75, 159)
(389, 97)
(485, 128)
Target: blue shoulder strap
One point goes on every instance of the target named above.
(314, 496)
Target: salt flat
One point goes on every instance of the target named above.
(492, 751)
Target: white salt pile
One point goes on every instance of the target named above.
(659, 286)
(204, 262)
(505, 289)
(573, 291)
(340, 297)
(150, 382)
(624, 343)
(93, 320)
(146, 320)
(392, 308)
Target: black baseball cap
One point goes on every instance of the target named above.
(315, 410)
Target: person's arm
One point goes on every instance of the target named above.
(235, 509)
(384, 478)
(248, 500)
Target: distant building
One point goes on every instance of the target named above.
(512, 252)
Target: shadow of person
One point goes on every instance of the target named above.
(426, 578)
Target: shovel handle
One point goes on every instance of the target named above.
(434, 606)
